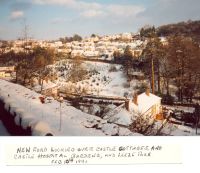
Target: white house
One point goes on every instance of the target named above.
(126, 36)
(91, 53)
(77, 53)
(163, 40)
(6, 71)
(146, 104)
(7, 68)
(2, 74)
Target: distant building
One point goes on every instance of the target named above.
(7, 68)
(136, 74)
(137, 53)
(6, 71)
(163, 40)
(127, 36)
(2, 74)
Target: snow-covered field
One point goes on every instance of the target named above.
(42, 117)
(102, 81)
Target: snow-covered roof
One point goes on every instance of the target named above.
(151, 97)
(144, 102)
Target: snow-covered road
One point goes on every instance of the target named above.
(53, 117)
(3, 131)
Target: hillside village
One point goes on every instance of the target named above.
(101, 82)
(94, 46)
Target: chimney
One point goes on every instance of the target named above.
(147, 92)
(135, 99)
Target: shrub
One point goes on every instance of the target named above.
(94, 71)
(112, 68)
(78, 74)
(126, 94)
(126, 85)
(167, 99)
(143, 125)
(85, 90)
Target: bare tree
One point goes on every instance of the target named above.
(77, 72)
(183, 56)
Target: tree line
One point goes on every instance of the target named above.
(75, 37)
(187, 29)
(175, 63)
(30, 64)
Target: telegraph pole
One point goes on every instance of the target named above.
(60, 123)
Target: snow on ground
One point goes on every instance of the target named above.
(116, 86)
(45, 86)
(180, 108)
(101, 81)
(74, 122)
(122, 118)
(3, 131)
(179, 130)
(111, 83)
(172, 129)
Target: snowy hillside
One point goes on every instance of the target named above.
(101, 80)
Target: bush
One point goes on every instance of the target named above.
(143, 125)
(93, 72)
(78, 74)
(85, 90)
(167, 99)
(126, 94)
(141, 88)
(112, 68)
(126, 85)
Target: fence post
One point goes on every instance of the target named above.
(127, 105)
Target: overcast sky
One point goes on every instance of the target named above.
(51, 19)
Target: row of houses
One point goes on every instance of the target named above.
(89, 47)
(104, 48)
(96, 46)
